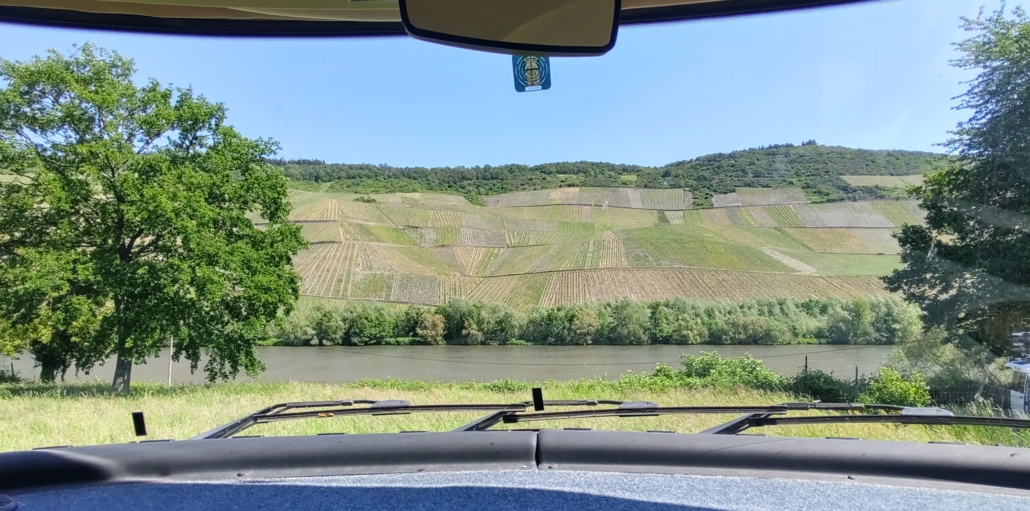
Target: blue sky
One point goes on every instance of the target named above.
(873, 76)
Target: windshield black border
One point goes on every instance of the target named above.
(61, 18)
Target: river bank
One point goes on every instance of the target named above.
(342, 364)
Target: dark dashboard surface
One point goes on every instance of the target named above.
(234, 466)
(516, 490)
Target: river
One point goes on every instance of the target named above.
(486, 363)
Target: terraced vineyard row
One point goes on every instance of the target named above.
(841, 214)
(559, 218)
(427, 248)
(886, 181)
(662, 283)
(760, 196)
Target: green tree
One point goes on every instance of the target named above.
(372, 324)
(59, 329)
(628, 322)
(584, 326)
(430, 328)
(327, 325)
(967, 268)
(151, 190)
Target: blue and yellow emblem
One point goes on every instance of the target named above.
(531, 73)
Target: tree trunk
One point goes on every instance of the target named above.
(47, 371)
(122, 374)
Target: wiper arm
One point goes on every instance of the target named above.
(342, 408)
(647, 409)
(491, 420)
(921, 416)
(641, 409)
(930, 420)
(346, 407)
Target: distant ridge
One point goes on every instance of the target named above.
(813, 169)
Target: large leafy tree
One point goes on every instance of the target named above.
(969, 266)
(131, 221)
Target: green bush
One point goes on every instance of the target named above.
(627, 322)
(709, 369)
(820, 386)
(371, 325)
(430, 328)
(327, 325)
(506, 385)
(889, 387)
(739, 329)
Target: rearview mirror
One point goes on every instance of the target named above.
(523, 27)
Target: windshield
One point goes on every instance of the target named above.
(818, 205)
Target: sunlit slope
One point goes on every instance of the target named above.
(560, 246)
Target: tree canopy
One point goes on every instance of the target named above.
(969, 266)
(131, 224)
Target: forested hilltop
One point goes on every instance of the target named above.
(814, 168)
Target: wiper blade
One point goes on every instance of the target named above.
(643, 411)
(343, 408)
(489, 421)
(906, 415)
(930, 420)
(346, 407)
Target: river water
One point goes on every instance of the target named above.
(486, 363)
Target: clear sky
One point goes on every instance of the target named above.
(872, 76)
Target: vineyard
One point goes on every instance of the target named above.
(884, 181)
(574, 245)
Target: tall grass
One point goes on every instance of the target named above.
(86, 414)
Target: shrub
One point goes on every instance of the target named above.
(712, 370)
(367, 200)
(739, 329)
(293, 332)
(851, 323)
(430, 328)
(498, 323)
(506, 385)
(371, 325)
(627, 323)
(889, 387)
(410, 319)
(327, 325)
(817, 385)
(583, 327)
(453, 313)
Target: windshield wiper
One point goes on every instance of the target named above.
(774, 415)
(346, 407)
(921, 416)
(648, 409)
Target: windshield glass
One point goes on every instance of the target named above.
(819, 205)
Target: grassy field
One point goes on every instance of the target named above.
(849, 264)
(86, 414)
(546, 246)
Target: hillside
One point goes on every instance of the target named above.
(565, 246)
(814, 169)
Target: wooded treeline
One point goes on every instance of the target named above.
(814, 168)
(885, 320)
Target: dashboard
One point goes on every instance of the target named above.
(547, 469)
